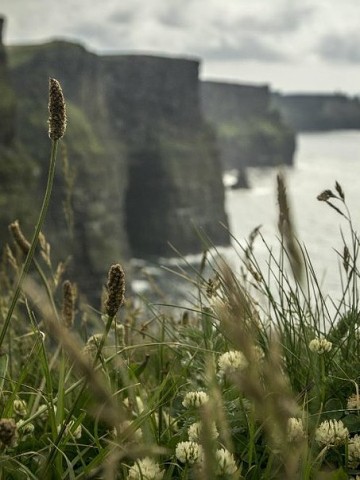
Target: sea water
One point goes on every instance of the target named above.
(320, 160)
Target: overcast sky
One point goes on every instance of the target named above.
(295, 45)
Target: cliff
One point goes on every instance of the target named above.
(319, 112)
(16, 166)
(140, 168)
(250, 131)
(174, 174)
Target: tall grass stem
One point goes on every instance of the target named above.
(34, 241)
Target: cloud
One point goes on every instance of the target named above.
(277, 21)
(340, 47)
(278, 31)
(246, 47)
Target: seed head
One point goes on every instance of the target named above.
(57, 110)
(20, 407)
(8, 432)
(325, 195)
(19, 237)
(68, 307)
(115, 290)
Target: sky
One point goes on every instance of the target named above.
(293, 45)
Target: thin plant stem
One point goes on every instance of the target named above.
(34, 241)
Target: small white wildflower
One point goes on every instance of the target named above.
(194, 431)
(195, 399)
(258, 353)
(188, 452)
(320, 345)
(232, 361)
(91, 347)
(145, 469)
(225, 462)
(69, 430)
(138, 407)
(331, 432)
(136, 436)
(20, 408)
(354, 450)
(353, 402)
(95, 339)
(77, 432)
(295, 430)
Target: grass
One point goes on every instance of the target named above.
(257, 380)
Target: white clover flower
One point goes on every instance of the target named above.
(258, 353)
(189, 452)
(69, 430)
(195, 399)
(139, 404)
(232, 361)
(145, 469)
(320, 345)
(354, 450)
(136, 436)
(295, 430)
(353, 402)
(95, 339)
(225, 462)
(331, 432)
(194, 431)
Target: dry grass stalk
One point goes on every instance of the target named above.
(10, 259)
(263, 382)
(19, 237)
(106, 408)
(68, 306)
(286, 230)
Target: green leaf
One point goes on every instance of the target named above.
(352, 422)
(334, 475)
(334, 409)
(4, 362)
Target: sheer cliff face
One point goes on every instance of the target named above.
(142, 165)
(85, 219)
(174, 174)
(319, 112)
(249, 131)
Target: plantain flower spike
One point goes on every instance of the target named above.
(115, 290)
(57, 110)
(68, 306)
(19, 237)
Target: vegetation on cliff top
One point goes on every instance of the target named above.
(257, 380)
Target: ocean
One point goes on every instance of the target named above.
(321, 159)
